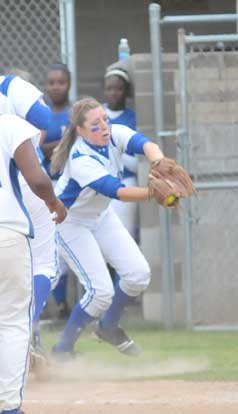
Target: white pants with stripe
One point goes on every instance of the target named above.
(44, 247)
(87, 246)
(15, 316)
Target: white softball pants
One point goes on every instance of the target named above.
(44, 247)
(87, 247)
(15, 316)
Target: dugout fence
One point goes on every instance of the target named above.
(35, 34)
(206, 141)
(30, 36)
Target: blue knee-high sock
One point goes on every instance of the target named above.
(76, 323)
(112, 316)
(42, 287)
(116, 279)
(59, 292)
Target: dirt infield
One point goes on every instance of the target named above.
(131, 397)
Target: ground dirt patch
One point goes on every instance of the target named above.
(131, 397)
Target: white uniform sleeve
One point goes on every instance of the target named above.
(130, 162)
(22, 95)
(18, 131)
(85, 170)
(121, 135)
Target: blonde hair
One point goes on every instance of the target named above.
(77, 118)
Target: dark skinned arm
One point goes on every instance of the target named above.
(47, 148)
(27, 162)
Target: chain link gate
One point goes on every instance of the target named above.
(29, 36)
(207, 236)
(211, 86)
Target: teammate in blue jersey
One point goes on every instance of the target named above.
(20, 97)
(57, 86)
(117, 89)
(17, 153)
(92, 235)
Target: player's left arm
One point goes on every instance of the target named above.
(141, 145)
(152, 151)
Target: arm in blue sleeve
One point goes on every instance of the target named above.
(39, 115)
(107, 185)
(136, 143)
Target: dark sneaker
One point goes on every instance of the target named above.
(62, 353)
(64, 356)
(118, 338)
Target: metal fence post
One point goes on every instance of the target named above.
(184, 160)
(164, 215)
(68, 42)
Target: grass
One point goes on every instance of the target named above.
(178, 354)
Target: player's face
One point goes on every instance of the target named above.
(57, 87)
(115, 92)
(96, 129)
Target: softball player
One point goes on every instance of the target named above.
(92, 235)
(23, 99)
(57, 86)
(17, 151)
(117, 89)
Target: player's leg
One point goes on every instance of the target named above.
(82, 254)
(124, 255)
(15, 317)
(60, 291)
(44, 257)
(44, 252)
(128, 213)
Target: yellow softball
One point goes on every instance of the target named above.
(170, 199)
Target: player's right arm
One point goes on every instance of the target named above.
(32, 108)
(91, 173)
(27, 162)
(133, 193)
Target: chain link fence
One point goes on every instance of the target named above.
(213, 131)
(29, 37)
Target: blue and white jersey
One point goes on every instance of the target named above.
(21, 98)
(125, 117)
(13, 132)
(57, 124)
(18, 97)
(92, 174)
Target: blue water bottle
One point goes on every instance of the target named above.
(123, 49)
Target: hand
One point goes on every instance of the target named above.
(168, 170)
(59, 209)
(162, 190)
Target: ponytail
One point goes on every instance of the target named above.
(61, 152)
(78, 114)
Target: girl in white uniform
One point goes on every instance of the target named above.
(17, 151)
(23, 99)
(92, 235)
